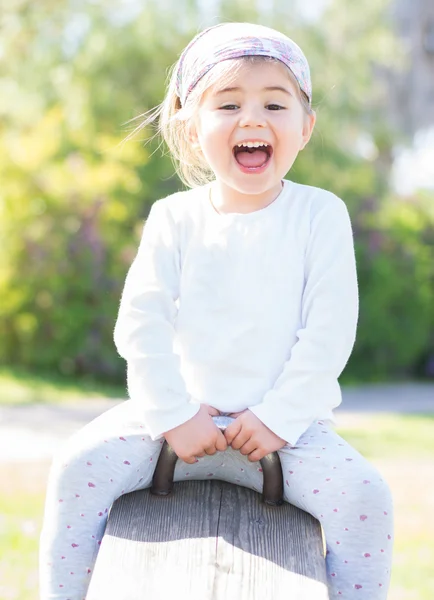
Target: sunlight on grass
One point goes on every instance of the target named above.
(392, 435)
(20, 524)
(21, 387)
(402, 448)
(413, 564)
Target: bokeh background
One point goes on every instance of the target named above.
(74, 77)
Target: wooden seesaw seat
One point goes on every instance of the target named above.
(209, 540)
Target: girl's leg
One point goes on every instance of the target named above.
(110, 456)
(329, 479)
(107, 458)
(326, 477)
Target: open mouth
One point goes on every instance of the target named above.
(252, 155)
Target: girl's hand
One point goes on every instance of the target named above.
(197, 436)
(251, 437)
(236, 414)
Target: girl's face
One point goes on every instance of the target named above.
(260, 106)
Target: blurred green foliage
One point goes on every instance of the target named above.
(73, 197)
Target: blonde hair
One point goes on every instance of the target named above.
(174, 120)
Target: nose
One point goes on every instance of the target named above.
(252, 116)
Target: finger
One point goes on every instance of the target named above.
(221, 443)
(248, 447)
(232, 431)
(240, 440)
(236, 414)
(189, 460)
(212, 411)
(210, 450)
(256, 455)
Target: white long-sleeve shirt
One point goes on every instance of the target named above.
(255, 310)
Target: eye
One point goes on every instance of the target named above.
(275, 107)
(229, 107)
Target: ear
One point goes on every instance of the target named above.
(308, 125)
(192, 135)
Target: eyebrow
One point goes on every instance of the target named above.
(273, 88)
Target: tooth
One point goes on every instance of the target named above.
(252, 144)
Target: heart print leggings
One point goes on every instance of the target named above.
(113, 455)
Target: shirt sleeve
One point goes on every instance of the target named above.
(308, 386)
(144, 332)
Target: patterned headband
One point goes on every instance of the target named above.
(234, 40)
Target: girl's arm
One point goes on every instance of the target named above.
(144, 331)
(308, 385)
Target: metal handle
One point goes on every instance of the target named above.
(162, 482)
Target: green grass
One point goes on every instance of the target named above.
(402, 448)
(19, 386)
(20, 523)
(392, 436)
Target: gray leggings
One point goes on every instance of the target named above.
(113, 455)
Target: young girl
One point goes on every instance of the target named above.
(242, 300)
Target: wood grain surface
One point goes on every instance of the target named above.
(208, 540)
